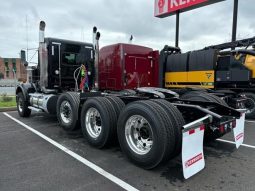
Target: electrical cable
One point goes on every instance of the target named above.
(76, 77)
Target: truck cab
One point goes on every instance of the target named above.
(60, 59)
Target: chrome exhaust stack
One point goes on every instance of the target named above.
(96, 37)
(43, 57)
(131, 39)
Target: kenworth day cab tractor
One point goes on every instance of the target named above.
(152, 125)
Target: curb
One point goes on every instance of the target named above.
(5, 109)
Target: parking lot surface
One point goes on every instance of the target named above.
(29, 162)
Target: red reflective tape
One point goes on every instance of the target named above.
(192, 131)
(239, 136)
(194, 160)
(202, 127)
(222, 128)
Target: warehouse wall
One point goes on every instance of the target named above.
(8, 64)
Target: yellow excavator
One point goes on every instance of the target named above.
(225, 70)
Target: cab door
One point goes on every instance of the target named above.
(55, 67)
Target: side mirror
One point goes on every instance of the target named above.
(23, 58)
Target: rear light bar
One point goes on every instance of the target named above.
(234, 124)
(227, 126)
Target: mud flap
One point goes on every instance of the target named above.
(239, 130)
(192, 147)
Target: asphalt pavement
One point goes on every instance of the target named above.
(30, 162)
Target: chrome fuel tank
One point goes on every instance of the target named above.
(46, 102)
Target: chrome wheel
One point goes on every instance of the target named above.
(20, 104)
(138, 133)
(93, 123)
(66, 112)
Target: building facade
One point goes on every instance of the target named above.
(10, 66)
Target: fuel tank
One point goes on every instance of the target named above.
(46, 102)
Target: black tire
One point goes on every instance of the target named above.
(163, 138)
(108, 121)
(209, 134)
(202, 95)
(218, 99)
(198, 96)
(118, 106)
(117, 103)
(250, 104)
(178, 122)
(170, 130)
(73, 99)
(191, 93)
(22, 105)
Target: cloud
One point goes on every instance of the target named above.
(117, 20)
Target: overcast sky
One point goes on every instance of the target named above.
(117, 20)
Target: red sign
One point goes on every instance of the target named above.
(165, 8)
(161, 4)
(241, 135)
(193, 160)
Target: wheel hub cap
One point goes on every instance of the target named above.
(93, 123)
(66, 112)
(138, 134)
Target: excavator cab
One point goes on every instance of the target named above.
(250, 63)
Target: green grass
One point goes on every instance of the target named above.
(11, 103)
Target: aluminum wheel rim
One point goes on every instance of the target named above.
(139, 135)
(251, 105)
(20, 104)
(66, 112)
(93, 123)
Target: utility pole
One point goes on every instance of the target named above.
(177, 29)
(234, 27)
(27, 35)
(27, 49)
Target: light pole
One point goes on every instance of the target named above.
(234, 27)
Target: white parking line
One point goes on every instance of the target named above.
(248, 121)
(14, 111)
(91, 165)
(231, 142)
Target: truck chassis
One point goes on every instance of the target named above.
(149, 125)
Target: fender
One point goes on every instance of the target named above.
(25, 89)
